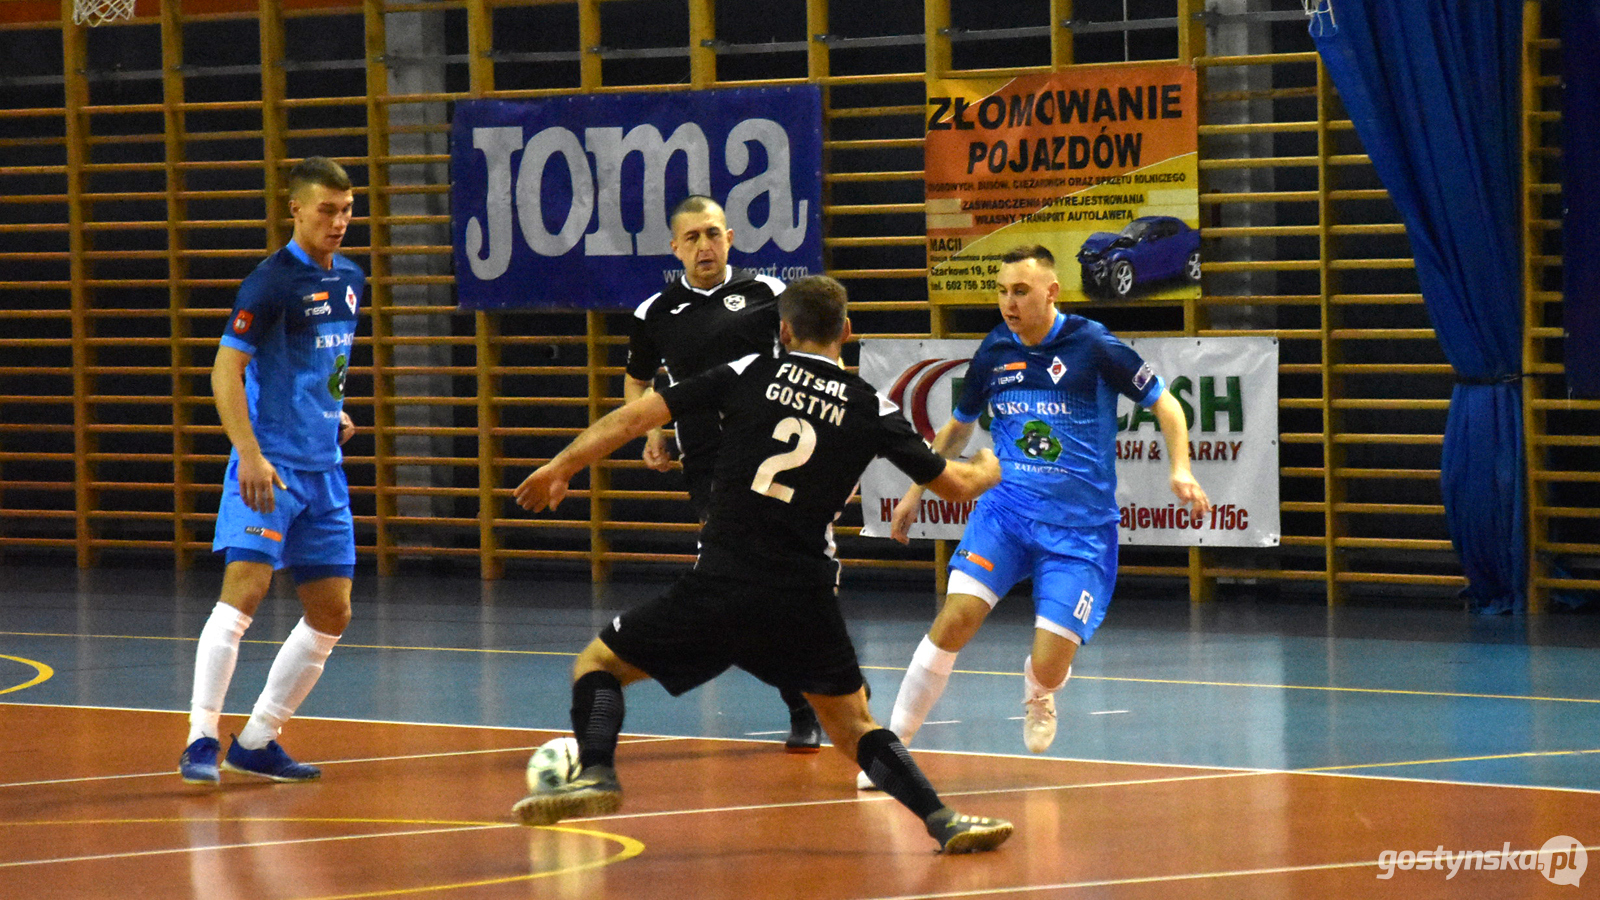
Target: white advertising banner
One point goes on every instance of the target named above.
(1228, 388)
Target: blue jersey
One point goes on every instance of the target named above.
(1055, 417)
(297, 321)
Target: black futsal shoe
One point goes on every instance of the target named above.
(957, 833)
(805, 732)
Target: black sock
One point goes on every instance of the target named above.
(888, 763)
(597, 718)
(795, 699)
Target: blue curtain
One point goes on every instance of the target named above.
(1433, 89)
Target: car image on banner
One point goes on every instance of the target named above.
(1149, 249)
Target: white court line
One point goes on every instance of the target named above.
(321, 762)
(924, 724)
(1147, 879)
(1241, 773)
(651, 738)
(1083, 676)
(876, 797)
(329, 762)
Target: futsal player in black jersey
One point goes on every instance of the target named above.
(713, 314)
(798, 431)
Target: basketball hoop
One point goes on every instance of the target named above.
(100, 12)
(1316, 10)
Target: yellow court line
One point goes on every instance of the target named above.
(1118, 678)
(157, 637)
(1283, 687)
(630, 846)
(1458, 759)
(630, 849)
(45, 673)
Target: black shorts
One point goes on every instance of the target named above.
(703, 626)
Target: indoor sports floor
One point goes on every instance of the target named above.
(1238, 750)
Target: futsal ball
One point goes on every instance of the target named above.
(555, 763)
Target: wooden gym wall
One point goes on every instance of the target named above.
(142, 177)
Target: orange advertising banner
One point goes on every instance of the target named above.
(1096, 163)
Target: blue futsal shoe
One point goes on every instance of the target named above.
(269, 762)
(198, 764)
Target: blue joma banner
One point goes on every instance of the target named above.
(1580, 187)
(564, 202)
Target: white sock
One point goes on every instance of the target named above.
(1034, 688)
(294, 672)
(214, 659)
(922, 686)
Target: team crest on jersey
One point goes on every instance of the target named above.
(241, 322)
(1057, 369)
(350, 298)
(1143, 377)
(734, 302)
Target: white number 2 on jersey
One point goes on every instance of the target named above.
(788, 459)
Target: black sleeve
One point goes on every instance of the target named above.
(644, 357)
(773, 320)
(902, 446)
(702, 392)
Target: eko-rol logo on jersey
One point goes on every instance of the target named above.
(1038, 442)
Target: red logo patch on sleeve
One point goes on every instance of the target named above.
(241, 322)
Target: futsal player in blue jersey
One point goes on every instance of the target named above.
(1051, 381)
(278, 382)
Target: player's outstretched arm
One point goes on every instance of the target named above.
(962, 481)
(548, 484)
(948, 443)
(1175, 432)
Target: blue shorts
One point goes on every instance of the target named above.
(1074, 569)
(310, 528)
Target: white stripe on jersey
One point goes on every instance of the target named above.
(645, 306)
(743, 362)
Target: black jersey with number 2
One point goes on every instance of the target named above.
(797, 432)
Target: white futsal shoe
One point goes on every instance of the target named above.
(1039, 722)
